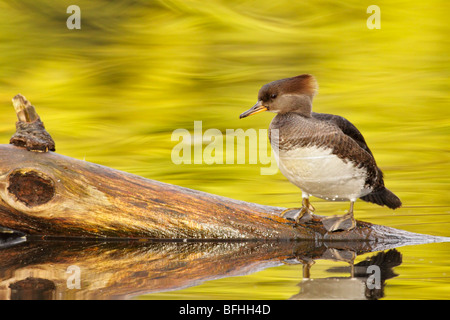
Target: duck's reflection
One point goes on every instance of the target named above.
(123, 270)
(366, 279)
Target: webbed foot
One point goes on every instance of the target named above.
(339, 223)
(300, 215)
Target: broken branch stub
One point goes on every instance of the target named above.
(30, 131)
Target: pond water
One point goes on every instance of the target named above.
(114, 92)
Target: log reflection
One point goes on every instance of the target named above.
(123, 270)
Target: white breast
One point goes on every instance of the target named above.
(320, 173)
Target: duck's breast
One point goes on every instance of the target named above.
(319, 172)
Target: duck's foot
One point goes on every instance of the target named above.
(300, 215)
(339, 223)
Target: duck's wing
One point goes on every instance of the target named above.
(380, 195)
(349, 130)
(346, 127)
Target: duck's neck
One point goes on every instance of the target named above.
(299, 104)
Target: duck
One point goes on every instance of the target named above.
(324, 155)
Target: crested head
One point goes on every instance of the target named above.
(302, 84)
(286, 95)
(289, 95)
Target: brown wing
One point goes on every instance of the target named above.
(375, 177)
(347, 128)
(380, 195)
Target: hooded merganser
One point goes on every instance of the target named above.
(324, 155)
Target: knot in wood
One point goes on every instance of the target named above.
(31, 188)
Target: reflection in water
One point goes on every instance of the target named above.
(32, 289)
(366, 279)
(122, 270)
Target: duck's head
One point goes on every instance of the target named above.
(286, 95)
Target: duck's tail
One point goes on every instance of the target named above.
(383, 197)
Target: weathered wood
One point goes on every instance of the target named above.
(44, 193)
(50, 194)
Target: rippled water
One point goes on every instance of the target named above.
(113, 93)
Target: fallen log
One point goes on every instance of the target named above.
(47, 194)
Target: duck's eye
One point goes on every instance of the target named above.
(273, 96)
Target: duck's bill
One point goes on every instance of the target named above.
(257, 108)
